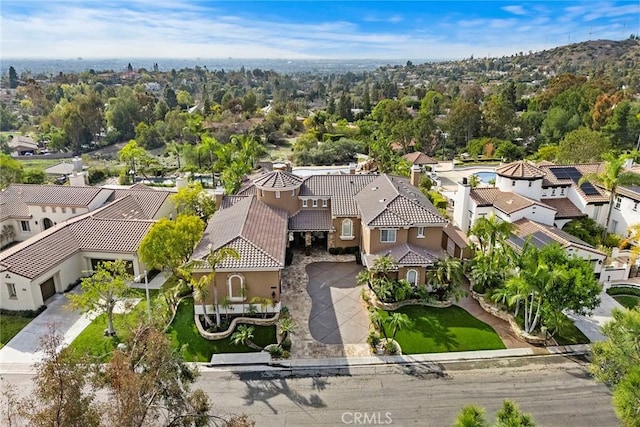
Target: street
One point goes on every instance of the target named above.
(557, 390)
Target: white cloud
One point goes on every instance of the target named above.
(516, 10)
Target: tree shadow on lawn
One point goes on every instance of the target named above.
(431, 328)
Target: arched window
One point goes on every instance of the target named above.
(47, 223)
(347, 228)
(235, 283)
(412, 277)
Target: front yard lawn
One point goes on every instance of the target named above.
(628, 301)
(10, 326)
(439, 330)
(571, 336)
(183, 331)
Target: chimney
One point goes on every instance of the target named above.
(352, 168)
(77, 164)
(416, 174)
(461, 202)
(78, 179)
(218, 195)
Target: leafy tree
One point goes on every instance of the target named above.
(34, 176)
(62, 394)
(592, 145)
(10, 170)
(8, 120)
(499, 117)
(471, 416)
(170, 97)
(124, 113)
(616, 362)
(585, 229)
(463, 122)
(614, 174)
(133, 154)
(103, 290)
(558, 123)
(546, 152)
(169, 244)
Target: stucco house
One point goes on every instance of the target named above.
(70, 230)
(374, 215)
(22, 146)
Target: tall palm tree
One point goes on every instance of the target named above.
(200, 293)
(213, 259)
(244, 336)
(376, 318)
(610, 179)
(446, 277)
(397, 321)
(286, 326)
(176, 149)
(490, 232)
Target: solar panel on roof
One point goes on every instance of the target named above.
(516, 241)
(589, 189)
(568, 172)
(540, 239)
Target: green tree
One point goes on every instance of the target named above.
(491, 231)
(286, 326)
(244, 336)
(471, 416)
(396, 322)
(614, 174)
(10, 170)
(616, 362)
(13, 78)
(593, 145)
(445, 277)
(133, 155)
(201, 293)
(463, 122)
(124, 113)
(511, 416)
(169, 244)
(212, 261)
(34, 176)
(499, 117)
(193, 200)
(103, 290)
(8, 120)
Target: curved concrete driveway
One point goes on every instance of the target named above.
(338, 315)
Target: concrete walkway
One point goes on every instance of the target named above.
(591, 325)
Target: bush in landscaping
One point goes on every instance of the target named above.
(286, 344)
(71, 286)
(284, 311)
(276, 351)
(624, 290)
(286, 354)
(29, 314)
(390, 348)
(373, 339)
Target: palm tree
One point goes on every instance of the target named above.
(213, 259)
(397, 321)
(474, 181)
(490, 232)
(200, 293)
(376, 318)
(175, 149)
(227, 305)
(264, 302)
(244, 336)
(614, 175)
(286, 326)
(446, 277)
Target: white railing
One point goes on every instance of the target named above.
(238, 309)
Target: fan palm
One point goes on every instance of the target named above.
(397, 321)
(244, 336)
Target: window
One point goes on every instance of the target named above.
(53, 209)
(387, 235)
(530, 183)
(618, 202)
(614, 225)
(324, 203)
(562, 191)
(237, 291)
(304, 203)
(347, 229)
(44, 208)
(513, 183)
(11, 288)
(635, 206)
(64, 210)
(596, 212)
(315, 203)
(73, 210)
(420, 231)
(277, 194)
(412, 277)
(553, 191)
(25, 226)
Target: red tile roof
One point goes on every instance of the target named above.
(418, 158)
(520, 170)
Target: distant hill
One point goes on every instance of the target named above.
(587, 54)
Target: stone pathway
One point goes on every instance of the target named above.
(296, 297)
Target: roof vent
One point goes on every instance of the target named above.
(382, 200)
(374, 188)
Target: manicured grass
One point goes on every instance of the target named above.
(183, 332)
(571, 336)
(10, 326)
(628, 301)
(439, 330)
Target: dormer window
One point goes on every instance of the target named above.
(304, 203)
(315, 203)
(324, 203)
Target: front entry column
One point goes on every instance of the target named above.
(307, 243)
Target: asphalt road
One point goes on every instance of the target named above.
(558, 392)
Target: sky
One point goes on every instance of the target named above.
(304, 29)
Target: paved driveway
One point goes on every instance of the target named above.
(338, 315)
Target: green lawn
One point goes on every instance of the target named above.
(439, 330)
(10, 326)
(628, 301)
(571, 336)
(183, 332)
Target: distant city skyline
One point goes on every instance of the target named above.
(304, 30)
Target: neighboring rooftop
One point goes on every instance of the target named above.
(564, 207)
(520, 170)
(278, 179)
(505, 201)
(418, 158)
(541, 235)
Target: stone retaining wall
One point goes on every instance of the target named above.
(392, 306)
(232, 326)
(501, 314)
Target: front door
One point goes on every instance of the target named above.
(48, 289)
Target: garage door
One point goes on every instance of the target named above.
(48, 289)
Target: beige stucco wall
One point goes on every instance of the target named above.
(288, 199)
(346, 243)
(257, 283)
(402, 273)
(432, 239)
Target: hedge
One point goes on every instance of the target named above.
(624, 290)
(30, 314)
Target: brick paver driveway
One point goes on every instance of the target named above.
(338, 315)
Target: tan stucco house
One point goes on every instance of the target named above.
(375, 215)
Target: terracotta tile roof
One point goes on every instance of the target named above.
(278, 179)
(520, 170)
(406, 255)
(504, 201)
(418, 158)
(256, 230)
(311, 220)
(228, 201)
(457, 235)
(141, 187)
(90, 232)
(124, 208)
(564, 207)
(341, 188)
(630, 191)
(542, 235)
(248, 190)
(57, 195)
(393, 202)
(149, 199)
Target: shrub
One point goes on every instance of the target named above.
(71, 286)
(286, 344)
(390, 347)
(284, 311)
(276, 351)
(97, 175)
(373, 339)
(624, 290)
(30, 314)
(612, 240)
(286, 354)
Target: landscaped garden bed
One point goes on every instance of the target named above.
(627, 296)
(439, 330)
